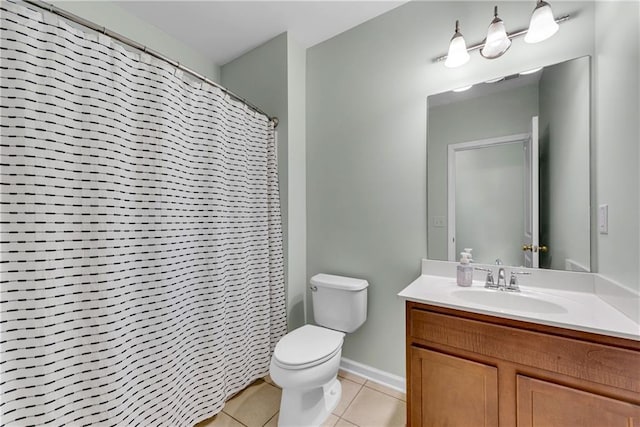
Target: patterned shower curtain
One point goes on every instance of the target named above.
(142, 268)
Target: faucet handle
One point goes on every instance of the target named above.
(513, 280)
(489, 282)
(520, 273)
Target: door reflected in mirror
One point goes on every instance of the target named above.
(508, 170)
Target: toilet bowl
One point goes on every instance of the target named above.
(305, 361)
(305, 365)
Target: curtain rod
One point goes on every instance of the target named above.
(119, 37)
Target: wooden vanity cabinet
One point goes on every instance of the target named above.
(452, 391)
(543, 403)
(467, 370)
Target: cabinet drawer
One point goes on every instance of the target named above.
(615, 367)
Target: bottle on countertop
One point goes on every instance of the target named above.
(465, 271)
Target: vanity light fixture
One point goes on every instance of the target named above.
(534, 70)
(497, 41)
(542, 25)
(463, 88)
(458, 54)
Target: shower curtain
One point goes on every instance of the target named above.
(142, 268)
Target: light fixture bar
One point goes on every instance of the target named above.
(511, 36)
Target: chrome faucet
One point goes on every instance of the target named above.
(502, 285)
(489, 283)
(502, 282)
(513, 281)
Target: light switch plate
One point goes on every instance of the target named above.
(603, 219)
(438, 221)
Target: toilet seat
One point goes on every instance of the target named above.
(307, 346)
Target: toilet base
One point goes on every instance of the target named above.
(309, 408)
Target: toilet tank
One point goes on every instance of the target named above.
(339, 303)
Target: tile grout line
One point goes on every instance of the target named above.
(274, 415)
(235, 419)
(360, 386)
(340, 417)
(345, 420)
(383, 392)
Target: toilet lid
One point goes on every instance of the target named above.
(306, 346)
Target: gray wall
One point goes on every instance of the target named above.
(272, 77)
(507, 112)
(108, 14)
(297, 206)
(366, 150)
(617, 150)
(564, 163)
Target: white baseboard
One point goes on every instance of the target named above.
(376, 375)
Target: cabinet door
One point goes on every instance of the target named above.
(544, 404)
(450, 391)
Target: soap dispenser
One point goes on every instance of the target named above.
(465, 271)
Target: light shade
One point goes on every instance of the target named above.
(457, 54)
(463, 88)
(497, 41)
(543, 25)
(531, 71)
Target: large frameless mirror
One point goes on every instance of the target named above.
(508, 169)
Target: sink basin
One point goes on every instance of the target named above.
(508, 300)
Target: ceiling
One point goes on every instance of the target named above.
(224, 30)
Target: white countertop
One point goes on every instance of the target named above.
(582, 311)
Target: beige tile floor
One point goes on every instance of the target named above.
(363, 404)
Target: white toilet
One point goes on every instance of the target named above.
(305, 361)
